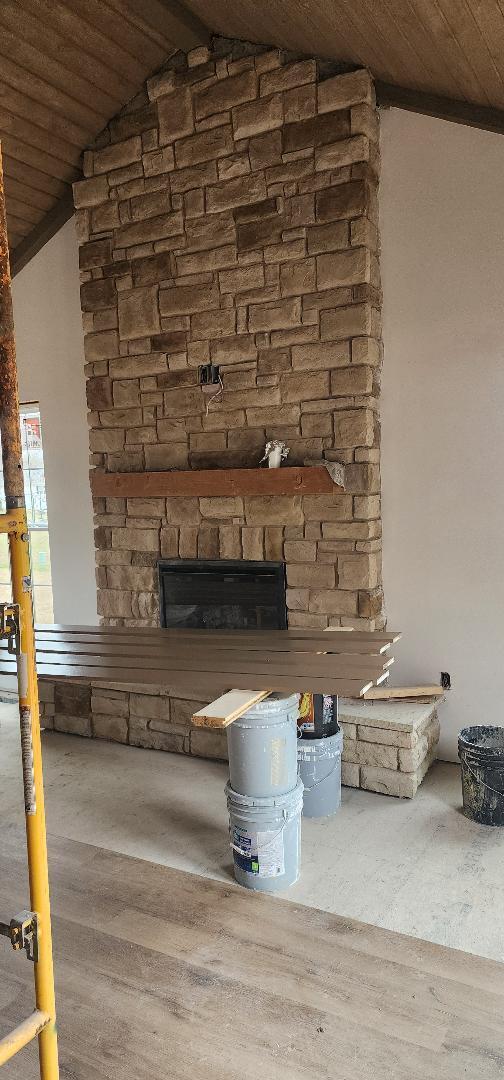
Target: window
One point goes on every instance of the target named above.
(36, 510)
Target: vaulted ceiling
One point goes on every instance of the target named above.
(67, 66)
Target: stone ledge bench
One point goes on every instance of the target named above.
(388, 746)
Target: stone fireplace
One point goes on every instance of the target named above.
(228, 215)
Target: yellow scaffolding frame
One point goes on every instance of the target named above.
(31, 930)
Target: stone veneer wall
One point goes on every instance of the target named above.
(229, 213)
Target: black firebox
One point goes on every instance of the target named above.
(222, 595)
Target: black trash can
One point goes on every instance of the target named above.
(481, 753)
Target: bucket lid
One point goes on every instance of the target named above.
(281, 802)
(278, 705)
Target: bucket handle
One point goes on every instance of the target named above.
(326, 777)
(482, 782)
(273, 840)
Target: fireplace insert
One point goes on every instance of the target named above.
(222, 595)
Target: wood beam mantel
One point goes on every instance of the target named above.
(308, 480)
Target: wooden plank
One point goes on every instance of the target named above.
(306, 480)
(228, 707)
(179, 25)
(357, 648)
(458, 112)
(390, 692)
(209, 659)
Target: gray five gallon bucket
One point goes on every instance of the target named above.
(319, 762)
(262, 748)
(481, 753)
(265, 837)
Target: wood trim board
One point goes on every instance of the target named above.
(227, 708)
(306, 480)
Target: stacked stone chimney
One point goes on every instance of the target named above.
(229, 215)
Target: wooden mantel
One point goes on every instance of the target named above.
(304, 480)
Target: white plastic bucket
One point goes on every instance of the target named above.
(265, 838)
(262, 748)
(319, 763)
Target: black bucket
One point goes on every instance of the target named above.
(481, 753)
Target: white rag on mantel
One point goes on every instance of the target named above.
(336, 471)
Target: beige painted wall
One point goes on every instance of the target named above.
(442, 199)
(51, 371)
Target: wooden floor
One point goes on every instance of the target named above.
(162, 975)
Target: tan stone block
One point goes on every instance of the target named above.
(136, 578)
(221, 507)
(154, 228)
(208, 542)
(256, 234)
(300, 551)
(209, 744)
(188, 542)
(354, 427)
(241, 348)
(367, 507)
(99, 393)
(114, 603)
(101, 346)
(175, 114)
(234, 165)
(300, 103)
(358, 571)
(264, 417)
(225, 94)
(114, 728)
(350, 774)
(130, 539)
(331, 236)
(46, 691)
(349, 730)
(352, 380)
(73, 725)
(99, 294)
(411, 759)
(366, 753)
(324, 355)
(151, 204)
(202, 261)
(343, 91)
(230, 542)
(204, 146)
(317, 425)
(138, 313)
(310, 575)
(388, 781)
(235, 192)
(244, 277)
(159, 161)
(141, 734)
(127, 367)
(213, 324)
(273, 544)
(105, 217)
(327, 507)
(333, 602)
(274, 315)
(253, 543)
(362, 478)
(287, 77)
(314, 131)
(345, 322)
(258, 116)
(345, 152)
(338, 269)
(195, 176)
(90, 192)
(72, 699)
(364, 120)
(121, 417)
(170, 455)
(95, 253)
(274, 510)
(297, 387)
(183, 511)
(152, 270)
(169, 542)
(387, 736)
(297, 600)
(186, 299)
(342, 201)
(117, 155)
(265, 150)
(104, 442)
(297, 278)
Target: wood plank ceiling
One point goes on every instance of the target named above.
(67, 66)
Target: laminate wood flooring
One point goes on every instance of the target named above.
(164, 975)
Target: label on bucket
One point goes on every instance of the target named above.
(278, 762)
(260, 853)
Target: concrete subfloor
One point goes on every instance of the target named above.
(416, 866)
